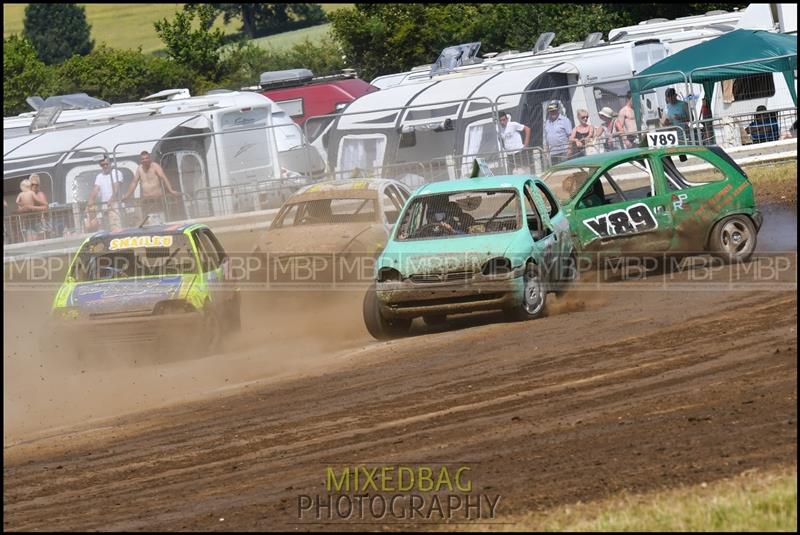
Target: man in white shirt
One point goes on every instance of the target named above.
(105, 187)
(513, 144)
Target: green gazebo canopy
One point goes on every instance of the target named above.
(711, 61)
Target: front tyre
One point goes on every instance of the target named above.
(534, 297)
(733, 239)
(212, 331)
(379, 327)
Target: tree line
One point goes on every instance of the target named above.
(55, 54)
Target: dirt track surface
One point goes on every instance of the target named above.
(632, 385)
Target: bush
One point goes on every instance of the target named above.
(119, 75)
(244, 64)
(23, 75)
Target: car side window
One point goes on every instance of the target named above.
(632, 179)
(221, 254)
(549, 202)
(688, 170)
(392, 204)
(208, 256)
(599, 193)
(534, 221)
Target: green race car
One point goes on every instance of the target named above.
(671, 201)
(485, 243)
(163, 285)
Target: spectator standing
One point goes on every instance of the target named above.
(626, 123)
(106, 187)
(154, 185)
(606, 132)
(582, 136)
(557, 129)
(28, 205)
(513, 145)
(676, 114)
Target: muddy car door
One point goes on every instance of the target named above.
(544, 235)
(211, 268)
(620, 211)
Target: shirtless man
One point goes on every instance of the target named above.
(153, 181)
(152, 177)
(626, 122)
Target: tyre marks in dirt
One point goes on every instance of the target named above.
(553, 411)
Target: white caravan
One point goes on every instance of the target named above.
(236, 138)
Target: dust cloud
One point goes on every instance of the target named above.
(284, 333)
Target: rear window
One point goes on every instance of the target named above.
(460, 213)
(327, 211)
(122, 257)
(565, 182)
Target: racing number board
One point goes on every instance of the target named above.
(631, 220)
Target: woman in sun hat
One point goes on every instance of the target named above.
(606, 134)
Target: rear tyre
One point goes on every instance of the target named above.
(733, 239)
(534, 297)
(436, 319)
(379, 327)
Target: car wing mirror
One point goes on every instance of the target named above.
(682, 157)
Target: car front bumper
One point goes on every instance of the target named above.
(408, 299)
(131, 331)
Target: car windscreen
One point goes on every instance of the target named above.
(447, 215)
(327, 211)
(564, 182)
(122, 257)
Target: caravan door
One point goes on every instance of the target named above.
(187, 173)
(185, 170)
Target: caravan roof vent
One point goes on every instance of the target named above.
(219, 91)
(543, 41)
(654, 21)
(456, 56)
(287, 78)
(74, 101)
(168, 94)
(505, 53)
(618, 36)
(593, 39)
(716, 12)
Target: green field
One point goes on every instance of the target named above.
(287, 39)
(131, 25)
(752, 501)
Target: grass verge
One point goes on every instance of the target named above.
(752, 501)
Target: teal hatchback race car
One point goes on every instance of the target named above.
(485, 243)
(169, 286)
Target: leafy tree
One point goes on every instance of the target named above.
(387, 38)
(24, 75)
(245, 63)
(119, 75)
(57, 31)
(259, 20)
(198, 49)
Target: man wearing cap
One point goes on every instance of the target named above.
(606, 131)
(106, 187)
(557, 129)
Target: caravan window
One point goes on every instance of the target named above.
(481, 138)
(246, 152)
(612, 94)
(364, 152)
(753, 86)
(83, 183)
